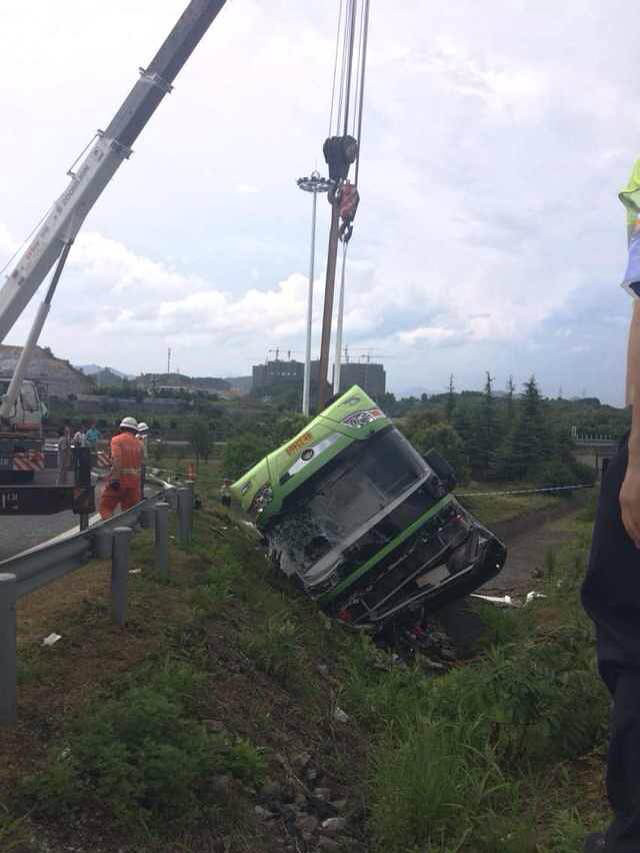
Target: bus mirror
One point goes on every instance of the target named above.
(441, 467)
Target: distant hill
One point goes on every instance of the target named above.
(55, 377)
(181, 381)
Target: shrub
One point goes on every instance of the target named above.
(584, 473)
(142, 754)
(554, 473)
(443, 438)
(274, 647)
(243, 452)
(200, 438)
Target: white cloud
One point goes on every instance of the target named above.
(428, 334)
(488, 184)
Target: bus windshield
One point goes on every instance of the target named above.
(341, 497)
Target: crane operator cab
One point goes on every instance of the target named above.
(28, 410)
(21, 453)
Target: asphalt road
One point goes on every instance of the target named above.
(20, 532)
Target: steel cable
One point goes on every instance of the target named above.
(365, 15)
(335, 68)
(345, 35)
(358, 63)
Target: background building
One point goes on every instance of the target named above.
(280, 374)
(369, 376)
(277, 372)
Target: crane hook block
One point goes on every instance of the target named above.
(340, 152)
(348, 199)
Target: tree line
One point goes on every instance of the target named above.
(513, 437)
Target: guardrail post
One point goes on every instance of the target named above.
(102, 544)
(161, 550)
(190, 484)
(120, 573)
(171, 496)
(8, 663)
(146, 518)
(82, 476)
(184, 516)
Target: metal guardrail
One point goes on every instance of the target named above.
(33, 569)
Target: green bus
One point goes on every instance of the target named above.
(368, 526)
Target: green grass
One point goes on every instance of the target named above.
(500, 755)
(142, 755)
(463, 762)
(14, 832)
(491, 507)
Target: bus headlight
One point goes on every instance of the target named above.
(261, 499)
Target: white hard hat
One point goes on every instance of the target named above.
(129, 423)
(142, 427)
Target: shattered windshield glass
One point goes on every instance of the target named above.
(342, 496)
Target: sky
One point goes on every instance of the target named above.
(489, 235)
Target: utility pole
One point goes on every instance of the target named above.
(314, 184)
(337, 361)
(333, 229)
(327, 313)
(169, 360)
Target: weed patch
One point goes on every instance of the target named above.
(455, 754)
(142, 755)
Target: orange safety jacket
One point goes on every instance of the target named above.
(126, 459)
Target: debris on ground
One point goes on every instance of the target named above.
(498, 600)
(340, 716)
(507, 601)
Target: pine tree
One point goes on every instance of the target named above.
(530, 444)
(451, 400)
(510, 402)
(489, 434)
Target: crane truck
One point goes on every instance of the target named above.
(25, 488)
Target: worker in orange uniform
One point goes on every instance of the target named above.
(124, 481)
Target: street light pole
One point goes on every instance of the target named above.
(315, 184)
(337, 361)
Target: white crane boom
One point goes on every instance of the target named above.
(65, 218)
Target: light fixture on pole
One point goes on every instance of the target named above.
(315, 184)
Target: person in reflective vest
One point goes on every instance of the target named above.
(123, 487)
(143, 438)
(611, 588)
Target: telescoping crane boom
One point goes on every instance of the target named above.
(112, 146)
(52, 241)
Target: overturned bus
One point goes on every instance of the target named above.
(366, 524)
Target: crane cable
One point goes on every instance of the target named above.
(358, 60)
(335, 68)
(340, 152)
(363, 66)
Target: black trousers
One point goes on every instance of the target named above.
(611, 597)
